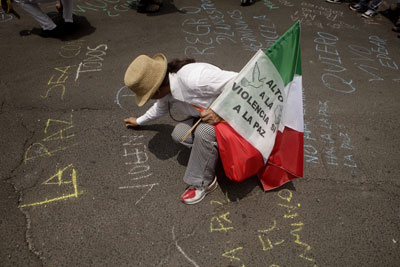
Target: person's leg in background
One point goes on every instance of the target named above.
(45, 22)
(372, 10)
(67, 10)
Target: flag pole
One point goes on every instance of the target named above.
(190, 131)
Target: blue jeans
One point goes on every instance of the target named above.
(374, 5)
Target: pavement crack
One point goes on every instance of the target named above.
(2, 106)
(21, 161)
(28, 238)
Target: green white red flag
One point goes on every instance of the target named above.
(263, 108)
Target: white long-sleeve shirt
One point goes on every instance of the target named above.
(195, 84)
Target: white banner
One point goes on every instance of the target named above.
(253, 102)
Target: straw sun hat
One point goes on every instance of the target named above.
(145, 75)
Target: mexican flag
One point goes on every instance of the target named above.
(263, 110)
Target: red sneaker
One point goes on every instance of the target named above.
(195, 194)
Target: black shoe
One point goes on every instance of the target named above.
(68, 27)
(151, 8)
(246, 2)
(54, 33)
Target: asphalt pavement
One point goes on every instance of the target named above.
(78, 188)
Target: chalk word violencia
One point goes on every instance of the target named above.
(94, 60)
(137, 160)
(113, 8)
(65, 179)
(55, 130)
(222, 223)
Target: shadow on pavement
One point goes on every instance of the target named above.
(163, 147)
(167, 8)
(81, 28)
(238, 190)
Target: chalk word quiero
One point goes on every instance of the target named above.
(112, 8)
(325, 46)
(94, 60)
(267, 235)
(136, 158)
(63, 184)
(215, 28)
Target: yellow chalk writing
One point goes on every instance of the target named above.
(38, 149)
(221, 203)
(285, 194)
(62, 78)
(58, 180)
(52, 121)
(57, 81)
(55, 86)
(59, 135)
(41, 150)
(297, 241)
(220, 225)
(268, 244)
(231, 254)
(290, 209)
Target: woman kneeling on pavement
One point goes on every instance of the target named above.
(190, 87)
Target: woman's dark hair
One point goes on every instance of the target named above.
(174, 66)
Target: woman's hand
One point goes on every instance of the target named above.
(210, 117)
(131, 122)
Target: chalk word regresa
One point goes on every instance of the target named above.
(112, 8)
(325, 46)
(94, 60)
(65, 180)
(55, 130)
(136, 157)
